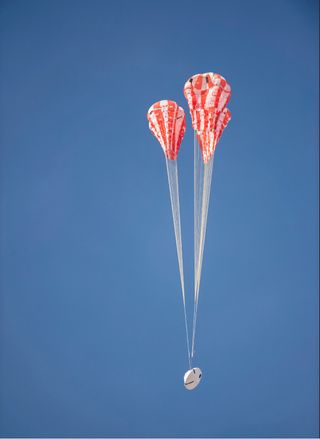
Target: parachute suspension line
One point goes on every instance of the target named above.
(202, 185)
(172, 171)
(207, 177)
(198, 170)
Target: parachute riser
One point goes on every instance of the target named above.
(202, 185)
(173, 181)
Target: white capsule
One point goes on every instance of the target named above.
(192, 378)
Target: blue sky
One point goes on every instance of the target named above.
(92, 337)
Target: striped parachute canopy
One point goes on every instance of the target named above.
(209, 139)
(207, 95)
(167, 121)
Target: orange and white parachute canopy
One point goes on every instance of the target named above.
(207, 95)
(167, 121)
(208, 139)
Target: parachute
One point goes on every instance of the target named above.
(208, 139)
(207, 95)
(167, 122)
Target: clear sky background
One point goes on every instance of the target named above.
(92, 337)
